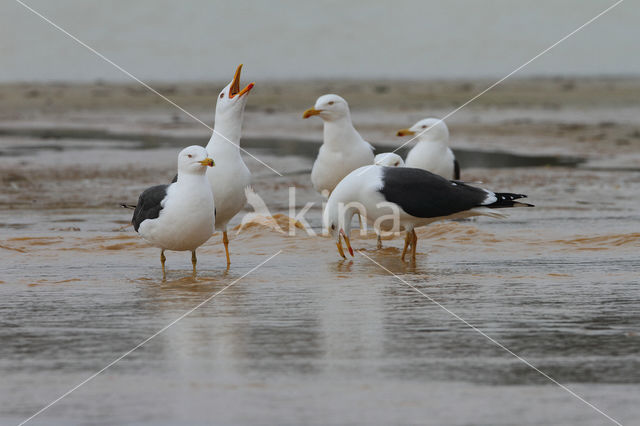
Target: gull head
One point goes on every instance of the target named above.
(428, 129)
(194, 160)
(232, 99)
(337, 221)
(388, 159)
(329, 108)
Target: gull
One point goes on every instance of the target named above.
(342, 150)
(388, 159)
(432, 152)
(403, 198)
(178, 216)
(230, 178)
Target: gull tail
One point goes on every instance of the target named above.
(506, 199)
(128, 206)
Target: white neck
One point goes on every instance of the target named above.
(339, 131)
(227, 131)
(430, 140)
(189, 179)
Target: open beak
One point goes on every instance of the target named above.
(405, 132)
(208, 162)
(311, 112)
(346, 240)
(235, 84)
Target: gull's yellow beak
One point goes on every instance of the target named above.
(311, 112)
(208, 162)
(340, 250)
(405, 132)
(346, 240)
(235, 84)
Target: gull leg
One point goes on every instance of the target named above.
(407, 241)
(379, 242)
(162, 260)
(225, 241)
(414, 244)
(194, 260)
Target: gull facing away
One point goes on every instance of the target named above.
(178, 216)
(403, 198)
(230, 178)
(343, 149)
(389, 159)
(432, 152)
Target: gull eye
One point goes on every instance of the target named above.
(395, 164)
(189, 155)
(333, 227)
(331, 102)
(424, 126)
(221, 95)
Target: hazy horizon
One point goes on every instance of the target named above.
(407, 40)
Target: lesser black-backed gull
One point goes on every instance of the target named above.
(415, 197)
(178, 216)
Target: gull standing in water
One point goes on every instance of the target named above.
(231, 177)
(343, 149)
(178, 216)
(432, 152)
(396, 198)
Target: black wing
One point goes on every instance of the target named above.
(456, 169)
(149, 204)
(424, 194)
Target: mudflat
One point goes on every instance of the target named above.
(309, 337)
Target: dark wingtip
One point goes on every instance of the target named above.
(127, 206)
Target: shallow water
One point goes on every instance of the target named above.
(310, 338)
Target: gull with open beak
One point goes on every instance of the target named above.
(230, 178)
(178, 216)
(432, 152)
(342, 150)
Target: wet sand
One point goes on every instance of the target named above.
(310, 338)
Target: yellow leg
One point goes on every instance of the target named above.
(162, 260)
(225, 241)
(407, 241)
(414, 244)
(194, 260)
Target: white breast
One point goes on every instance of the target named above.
(333, 165)
(185, 221)
(228, 179)
(434, 157)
